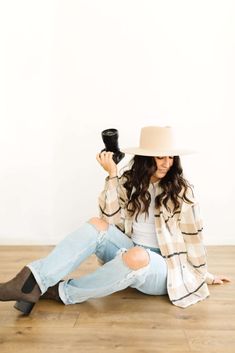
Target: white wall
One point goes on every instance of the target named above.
(69, 69)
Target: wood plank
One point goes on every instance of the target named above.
(215, 341)
(127, 321)
(105, 339)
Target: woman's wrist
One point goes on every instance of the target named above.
(112, 176)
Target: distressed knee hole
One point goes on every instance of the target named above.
(136, 258)
(98, 223)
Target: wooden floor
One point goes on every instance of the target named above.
(127, 321)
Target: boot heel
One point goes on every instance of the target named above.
(24, 307)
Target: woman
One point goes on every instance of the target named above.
(148, 236)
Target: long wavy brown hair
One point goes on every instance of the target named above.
(138, 179)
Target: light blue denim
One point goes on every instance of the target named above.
(114, 275)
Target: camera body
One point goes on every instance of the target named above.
(110, 139)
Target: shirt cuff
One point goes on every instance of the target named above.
(209, 278)
(113, 181)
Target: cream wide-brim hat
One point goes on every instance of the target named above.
(157, 141)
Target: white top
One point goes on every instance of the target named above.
(144, 230)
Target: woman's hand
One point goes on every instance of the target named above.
(105, 159)
(220, 279)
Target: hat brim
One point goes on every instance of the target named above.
(156, 153)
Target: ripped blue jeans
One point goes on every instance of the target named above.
(114, 275)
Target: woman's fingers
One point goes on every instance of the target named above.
(106, 157)
(98, 157)
(225, 279)
(221, 279)
(102, 156)
(106, 161)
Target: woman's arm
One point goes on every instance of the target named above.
(113, 197)
(216, 279)
(192, 227)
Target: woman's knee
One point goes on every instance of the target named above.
(98, 223)
(136, 258)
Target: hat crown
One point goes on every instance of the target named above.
(157, 141)
(157, 138)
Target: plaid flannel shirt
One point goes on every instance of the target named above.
(179, 236)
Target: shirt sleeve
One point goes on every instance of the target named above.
(209, 278)
(112, 201)
(191, 227)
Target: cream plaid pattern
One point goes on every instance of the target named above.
(180, 240)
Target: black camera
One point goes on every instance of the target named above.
(110, 139)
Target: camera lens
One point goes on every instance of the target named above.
(109, 132)
(110, 139)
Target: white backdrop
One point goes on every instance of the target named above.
(69, 69)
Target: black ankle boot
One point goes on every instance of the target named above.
(52, 293)
(23, 288)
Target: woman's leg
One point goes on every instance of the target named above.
(95, 236)
(136, 267)
(156, 280)
(66, 256)
(126, 269)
